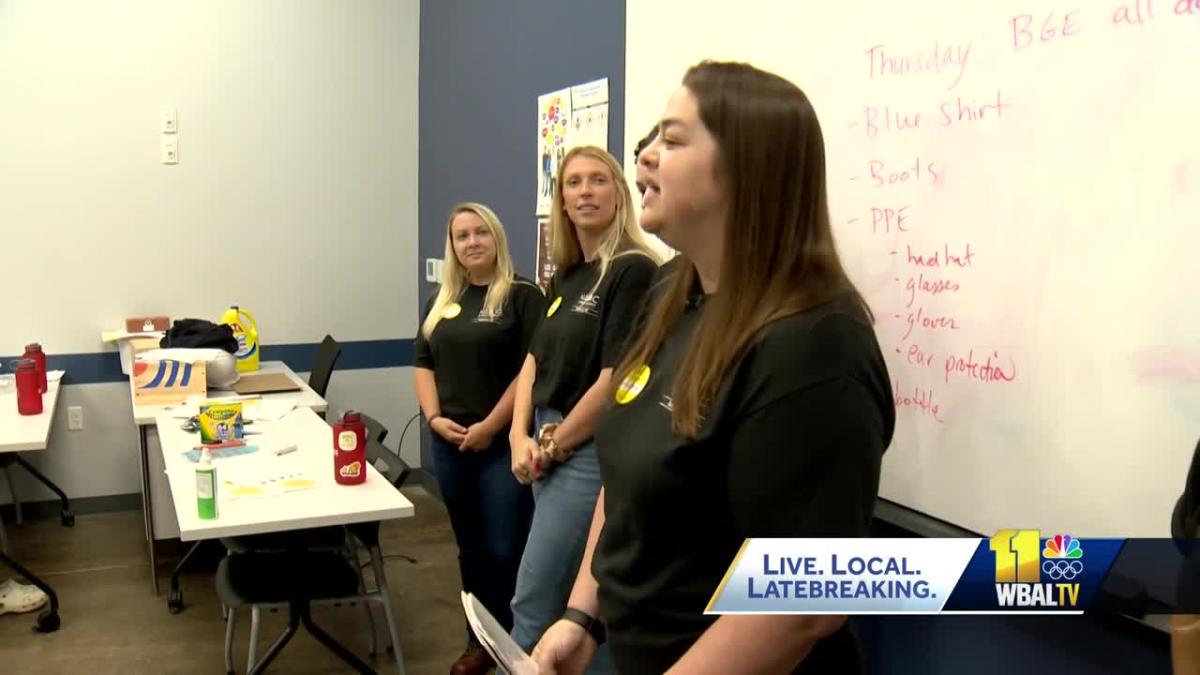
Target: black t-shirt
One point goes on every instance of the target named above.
(474, 356)
(666, 272)
(660, 284)
(585, 332)
(791, 447)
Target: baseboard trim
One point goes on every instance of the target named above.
(80, 506)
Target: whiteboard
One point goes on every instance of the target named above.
(1028, 244)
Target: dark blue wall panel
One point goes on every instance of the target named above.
(483, 65)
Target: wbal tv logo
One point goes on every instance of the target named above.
(1028, 575)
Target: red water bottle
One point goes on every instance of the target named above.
(29, 399)
(33, 352)
(350, 450)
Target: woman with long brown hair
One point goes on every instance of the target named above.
(754, 403)
(603, 268)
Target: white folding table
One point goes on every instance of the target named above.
(157, 511)
(324, 504)
(27, 433)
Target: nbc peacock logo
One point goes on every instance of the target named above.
(1062, 558)
(1023, 562)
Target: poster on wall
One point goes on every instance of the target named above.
(554, 118)
(545, 268)
(589, 115)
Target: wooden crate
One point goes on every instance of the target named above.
(168, 382)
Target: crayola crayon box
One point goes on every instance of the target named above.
(220, 422)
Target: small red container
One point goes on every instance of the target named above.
(29, 399)
(33, 352)
(350, 450)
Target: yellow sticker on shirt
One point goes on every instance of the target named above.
(452, 310)
(633, 384)
(554, 306)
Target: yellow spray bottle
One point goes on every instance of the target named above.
(246, 332)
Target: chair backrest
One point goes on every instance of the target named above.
(375, 429)
(388, 463)
(327, 356)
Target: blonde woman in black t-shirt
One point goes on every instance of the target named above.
(472, 342)
(754, 403)
(603, 269)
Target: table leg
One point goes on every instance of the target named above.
(175, 595)
(381, 584)
(48, 621)
(147, 515)
(67, 516)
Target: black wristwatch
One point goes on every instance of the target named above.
(590, 623)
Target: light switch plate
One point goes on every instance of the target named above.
(433, 270)
(170, 120)
(170, 150)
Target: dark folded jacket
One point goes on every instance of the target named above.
(200, 333)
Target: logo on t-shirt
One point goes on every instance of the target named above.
(554, 306)
(452, 310)
(633, 384)
(485, 316)
(668, 403)
(588, 303)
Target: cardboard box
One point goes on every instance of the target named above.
(130, 344)
(168, 382)
(138, 345)
(131, 347)
(147, 324)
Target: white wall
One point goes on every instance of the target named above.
(295, 194)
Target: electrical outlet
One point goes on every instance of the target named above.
(170, 150)
(75, 418)
(170, 120)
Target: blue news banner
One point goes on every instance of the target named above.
(1015, 571)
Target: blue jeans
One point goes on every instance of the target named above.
(490, 514)
(564, 500)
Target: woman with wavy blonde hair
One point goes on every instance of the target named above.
(471, 345)
(603, 269)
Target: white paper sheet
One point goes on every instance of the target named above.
(589, 115)
(270, 410)
(495, 639)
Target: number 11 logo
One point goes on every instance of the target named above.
(1018, 556)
